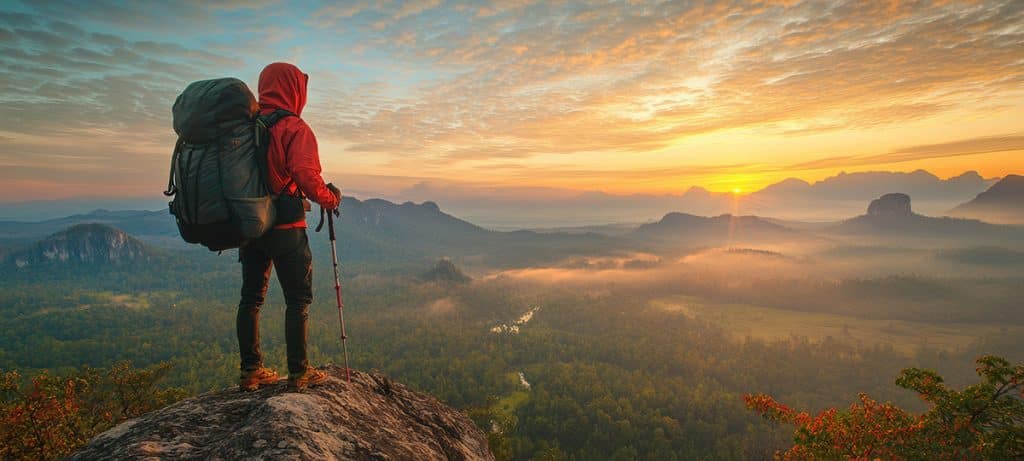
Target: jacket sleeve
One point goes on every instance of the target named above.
(302, 160)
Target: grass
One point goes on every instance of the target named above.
(509, 404)
(746, 320)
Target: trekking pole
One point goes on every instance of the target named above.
(337, 284)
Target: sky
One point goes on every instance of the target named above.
(626, 97)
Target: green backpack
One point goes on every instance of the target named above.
(218, 169)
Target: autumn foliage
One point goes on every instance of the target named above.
(49, 416)
(982, 421)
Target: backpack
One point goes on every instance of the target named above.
(218, 175)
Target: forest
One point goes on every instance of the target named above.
(628, 357)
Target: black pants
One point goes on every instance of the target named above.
(288, 250)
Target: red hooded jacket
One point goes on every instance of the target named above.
(292, 158)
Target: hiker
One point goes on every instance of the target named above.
(293, 170)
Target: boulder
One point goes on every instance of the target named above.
(370, 418)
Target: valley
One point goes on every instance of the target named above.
(585, 342)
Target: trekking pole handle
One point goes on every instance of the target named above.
(320, 225)
(330, 224)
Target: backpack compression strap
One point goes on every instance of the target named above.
(171, 188)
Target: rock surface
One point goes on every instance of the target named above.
(890, 205)
(371, 418)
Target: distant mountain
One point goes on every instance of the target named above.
(40, 210)
(83, 244)
(920, 184)
(831, 199)
(836, 196)
(844, 193)
(134, 222)
(423, 222)
(702, 202)
(1001, 203)
(891, 215)
(692, 229)
(378, 229)
(791, 187)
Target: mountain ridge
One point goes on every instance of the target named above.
(1003, 202)
(409, 234)
(507, 208)
(834, 197)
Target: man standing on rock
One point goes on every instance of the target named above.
(294, 172)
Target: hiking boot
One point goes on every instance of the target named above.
(250, 380)
(308, 378)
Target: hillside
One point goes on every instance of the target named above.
(370, 418)
(1001, 203)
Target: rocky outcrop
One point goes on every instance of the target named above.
(85, 243)
(371, 418)
(445, 271)
(890, 205)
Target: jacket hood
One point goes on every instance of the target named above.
(283, 86)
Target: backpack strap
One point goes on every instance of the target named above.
(263, 124)
(171, 188)
(270, 119)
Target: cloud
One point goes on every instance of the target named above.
(89, 111)
(963, 147)
(330, 15)
(145, 15)
(12, 18)
(516, 90)
(576, 79)
(971, 146)
(414, 7)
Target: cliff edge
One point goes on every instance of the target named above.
(371, 418)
